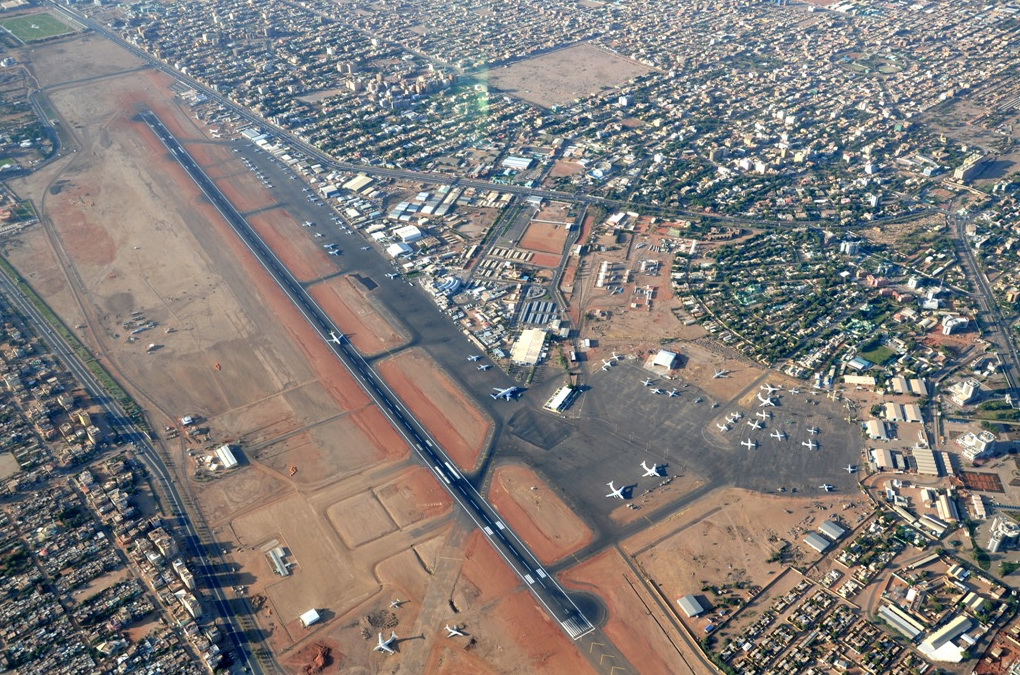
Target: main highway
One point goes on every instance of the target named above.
(520, 558)
(147, 454)
(994, 321)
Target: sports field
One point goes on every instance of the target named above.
(35, 27)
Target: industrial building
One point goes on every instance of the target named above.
(309, 617)
(832, 530)
(527, 351)
(939, 645)
(924, 458)
(691, 605)
(665, 360)
(226, 456)
(817, 542)
(561, 399)
(275, 556)
(906, 625)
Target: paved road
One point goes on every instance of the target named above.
(147, 454)
(999, 329)
(520, 558)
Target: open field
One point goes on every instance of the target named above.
(562, 75)
(536, 513)
(36, 27)
(545, 237)
(364, 323)
(413, 496)
(728, 537)
(360, 519)
(452, 419)
(319, 576)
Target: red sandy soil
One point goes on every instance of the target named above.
(634, 631)
(545, 237)
(302, 256)
(539, 516)
(546, 259)
(449, 660)
(563, 168)
(514, 634)
(297, 661)
(351, 309)
(449, 416)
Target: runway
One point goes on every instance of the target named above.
(544, 587)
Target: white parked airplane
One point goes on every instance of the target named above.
(795, 391)
(333, 251)
(365, 248)
(615, 491)
(769, 388)
(384, 645)
(453, 632)
(617, 357)
(826, 487)
(604, 367)
(778, 435)
(850, 468)
(335, 337)
(673, 392)
(392, 275)
(484, 367)
(507, 394)
(810, 445)
(721, 373)
(319, 234)
(722, 427)
(813, 430)
(764, 415)
(647, 382)
(749, 444)
(657, 391)
(652, 470)
(762, 402)
(698, 400)
(397, 603)
(754, 424)
(733, 417)
(474, 357)
(608, 364)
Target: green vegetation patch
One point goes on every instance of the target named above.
(36, 27)
(879, 355)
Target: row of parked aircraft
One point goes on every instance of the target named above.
(386, 645)
(653, 471)
(507, 393)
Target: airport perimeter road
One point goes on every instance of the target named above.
(993, 320)
(147, 454)
(545, 588)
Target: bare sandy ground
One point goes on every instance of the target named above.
(560, 76)
(536, 513)
(369, 327)
(545, 237)
(450, 417)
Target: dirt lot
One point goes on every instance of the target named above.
(728, 536)
(366, 325)
(560, 76)
(360, 519)
(545, 237)
(536, 513)
(413, 496)
(322, 575)
(456, 424)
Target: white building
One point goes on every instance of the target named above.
(226, 456)
(976, 446)
(964, 392)
(527, 351)
(309, 617)
(665, 359)
(408, 234)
